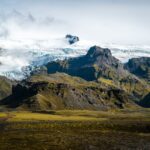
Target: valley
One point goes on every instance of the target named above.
(75, 129)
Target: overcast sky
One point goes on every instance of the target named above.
(110, 21)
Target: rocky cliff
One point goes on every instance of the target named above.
(140, 67)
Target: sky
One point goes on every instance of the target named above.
(108, 21)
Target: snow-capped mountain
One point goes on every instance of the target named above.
(19, 57)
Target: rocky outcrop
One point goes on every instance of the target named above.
(140, 67)
(72, 39)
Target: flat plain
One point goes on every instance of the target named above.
(75, 130)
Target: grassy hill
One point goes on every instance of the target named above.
(61, 91)
(5, 87)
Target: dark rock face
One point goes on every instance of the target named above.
(72, 39)
(21, 92)
(97, 62)
(96, 51)
(146, 101)
(102, 57)
(140, 67)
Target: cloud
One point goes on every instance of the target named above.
(27, 26)
(111, 21)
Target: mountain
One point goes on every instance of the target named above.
(96, 80)
(97, 62)
(61, 91)
(140, 67)
(99, 65)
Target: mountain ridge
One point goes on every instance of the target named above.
(96, 81)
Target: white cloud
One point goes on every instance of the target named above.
(16, 25)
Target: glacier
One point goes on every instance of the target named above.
(19, 57)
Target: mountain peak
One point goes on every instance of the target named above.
(97, 51)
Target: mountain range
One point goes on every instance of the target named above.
(96, 80)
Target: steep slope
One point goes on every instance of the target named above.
(99, 65)
(145, 102)
(5, 87)
(61, 91)
(140, 67)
